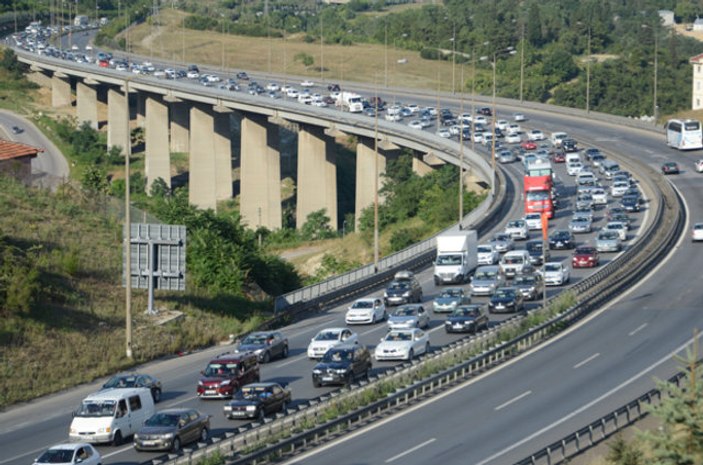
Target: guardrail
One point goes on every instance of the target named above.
(593, 434)
(454, 363)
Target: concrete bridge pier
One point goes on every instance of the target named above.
(369, 167)
(87, 102)
(260, 198)
(203, 170)
(157, 157)
(60, 90)
(117, 119)
(222, 146)
(419, 166)
(180, 126)
(317, 175)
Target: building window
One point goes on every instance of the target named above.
(698, 103)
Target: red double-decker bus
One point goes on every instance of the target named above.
(538, 183)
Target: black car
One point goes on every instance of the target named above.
(531, 285)
(561, 239)
(17, 130)
(342, 365)
(670, 167)
(485, 111)
(569, 146)
(258, 400)
(136, 380)
(467, 318)
(404, 289)
(243, 76)
(170, 429)
(590, 152)
(537, 253)
(506, 299)
(267, 345)
(630, 203)
(333, 87)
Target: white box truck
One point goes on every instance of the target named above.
(457, 256)
(351, 102)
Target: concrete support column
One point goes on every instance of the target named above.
(420, 167)
(317, 175)
(180, 127)
(366, 174)
(157, 156)
(260, 199)
(39, 78)
(60, 90)
(87, 104)
(222, 145)
(117, 120)
(203, 172)
(141, 108)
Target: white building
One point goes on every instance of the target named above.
(697, 94)
(698, 24)
(667, 17)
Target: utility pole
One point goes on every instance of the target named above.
(128, 234)
(588, 74)
(522, 60)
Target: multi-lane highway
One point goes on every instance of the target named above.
(494, 419)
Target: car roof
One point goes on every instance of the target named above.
(177, 410)
(69, 445)
(112, 394)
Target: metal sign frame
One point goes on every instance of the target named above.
(157, 258)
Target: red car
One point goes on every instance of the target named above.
(528, 145)
(585, 257)
(559, 157)
(670, 167)
(226, 374)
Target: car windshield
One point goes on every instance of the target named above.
(515, 224)
(256, 339)
(399, 336)
(539, 195)
(337, 356)
(363, 304)
(105, 408)
(512, 260)
(485, 249)
(552, 267)
(485, 275)
(504, 294)
(121, 382)
(220, 369)
(607, 236)
(56, 456)
(398, 286)
(584, 251)
(449, 259)
(534, 247)
(253, 392)
(450, 293)
(501, 238)
(327, 336)
(465, 311)
(163, 419)
(524, 279)
(404, 311)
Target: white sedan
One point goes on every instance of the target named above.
(307, 83)
(365, 311)
(697, 232)
(555, 274)
(619, 227)
(517, 230)
(513, 138)
(487, 254)
(328, 338)
(402, 344)
(535, 135)
(519, 117)
(70, 454)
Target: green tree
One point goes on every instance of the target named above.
(94, 180)
(678, 440)
(317, 226)
(622, 452)
(305, 58)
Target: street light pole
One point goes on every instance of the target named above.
(588, 74)
(461, 150)
(655, 107)
(127, 233)
(522, 60)
(453, 57)
(493, 129)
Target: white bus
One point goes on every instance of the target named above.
(684, 134)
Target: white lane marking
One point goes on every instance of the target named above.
(637, 329)
(181, 401)
(124, 449)
(374, 329)
(24, 454)
(410, 451)
(582, 363)
(293, 359)
(513, 400)
(583, 408)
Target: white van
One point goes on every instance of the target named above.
(572, 157)
(557, 137)
(111, 415)
(515, 262)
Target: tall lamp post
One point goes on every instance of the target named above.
(588, 74)
(461, 150)
(453, 39)
(655, 107)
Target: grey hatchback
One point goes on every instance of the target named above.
(170, 429)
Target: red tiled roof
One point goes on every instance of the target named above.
(10, 150)
(696, 59)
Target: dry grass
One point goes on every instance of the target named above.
(362, 62)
